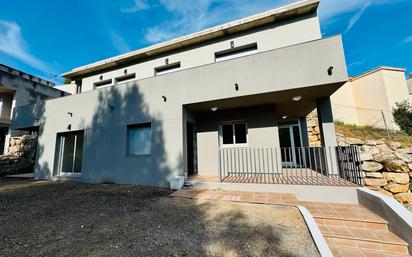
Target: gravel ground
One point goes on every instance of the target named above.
(70, 219)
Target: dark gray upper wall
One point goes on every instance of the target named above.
(27, 88)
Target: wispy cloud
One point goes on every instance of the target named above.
(119, 42)
(407, 40)
(138, 5)
(356, 17)
(13, 44)
(187, 17)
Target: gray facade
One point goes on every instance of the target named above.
(185, 109)
(18, 88)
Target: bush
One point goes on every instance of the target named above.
(402, 115)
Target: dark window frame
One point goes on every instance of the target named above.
(236, 50)
(167, 67)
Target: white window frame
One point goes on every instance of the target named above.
(233, 123)
(62, 141)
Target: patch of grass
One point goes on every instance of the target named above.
(371, 133)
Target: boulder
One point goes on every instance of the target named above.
(375, 181)
(366, 157)
(375, 174)
(384, 157)
(406, 150)
(371, 142)
(399, 178)
(369, 149)
(404, 156)
(397, 188)
(394, 145)
(404, 198)
(384, 148)
(383, 191)
(397, 166)
(354, 141)
(371, 166)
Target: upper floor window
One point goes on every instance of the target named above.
(103, 83)
(233, 134)
(236, 52)
(125, 78)
(168, 68)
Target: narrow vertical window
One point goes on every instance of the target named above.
(70, 147)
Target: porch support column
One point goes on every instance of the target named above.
(327, 133)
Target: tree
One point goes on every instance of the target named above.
(67, 81)
(402, 115)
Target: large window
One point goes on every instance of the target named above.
(70, 147)
(139, 139)
(236, 52)
(233, 134)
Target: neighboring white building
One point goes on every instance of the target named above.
(368, 99)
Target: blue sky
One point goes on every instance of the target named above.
(53, 36)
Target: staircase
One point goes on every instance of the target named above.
(352, 230)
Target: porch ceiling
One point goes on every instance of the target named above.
(282, 99)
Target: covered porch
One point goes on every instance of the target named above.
(264, 139)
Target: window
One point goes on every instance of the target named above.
(168, 68)
(103, 83)
(125, 77)
(233, 134)
(139, 139)
(236, 52)
(70, 152)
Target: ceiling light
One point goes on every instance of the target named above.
(213, 109)
(296, 98)
(285, 117)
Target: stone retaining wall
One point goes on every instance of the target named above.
(387, 168)
(21, 156)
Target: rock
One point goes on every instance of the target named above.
(394, 145)
(369, 149)
(354, 141)
(397, 166)
(406, 150)
(383, 191)
(380, 141)
(384, 157)
(375, 181)
(371, 166)
(404, 157)
(366, 157)
(397, 188)
(375, 174)
(371, 142)
(400, 178)
(21, 156)
(404, 198)
(375, 188)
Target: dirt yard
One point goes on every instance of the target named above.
(69, 219)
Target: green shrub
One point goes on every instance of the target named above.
(402, 115)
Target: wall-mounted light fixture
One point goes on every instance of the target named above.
(101, 77)
(297, 98)
(232, 44)
(125, 71)
(213, 109)
(69, 127)
(284, 117)
(167, 61)
(164, 98)
(237, 87)
(70, 114)
(330, 70)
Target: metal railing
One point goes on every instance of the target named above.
(293, 165)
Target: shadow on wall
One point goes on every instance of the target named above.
(105, 155)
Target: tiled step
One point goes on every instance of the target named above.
(363, 238)
(375, 224)
(351, 252)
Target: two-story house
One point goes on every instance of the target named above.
(227, 100)
(18, 88)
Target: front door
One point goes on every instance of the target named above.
(290, 143)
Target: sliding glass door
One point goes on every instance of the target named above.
(70, 152)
